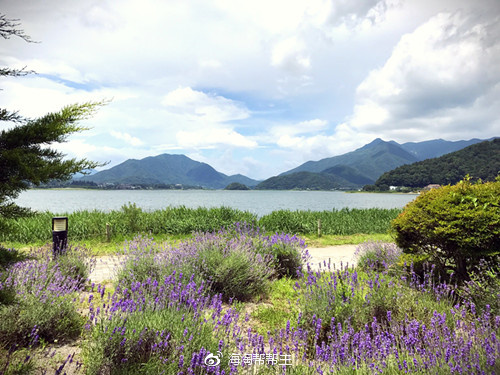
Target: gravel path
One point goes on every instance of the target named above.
(107, 266)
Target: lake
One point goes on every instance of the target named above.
(259, 202)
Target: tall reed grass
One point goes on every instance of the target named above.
(131, 220)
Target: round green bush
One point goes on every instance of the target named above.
(455, 225)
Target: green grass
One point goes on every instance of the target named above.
(97, 246)
(280, 307)
(90, 226)
(100, 247)
(313, 240)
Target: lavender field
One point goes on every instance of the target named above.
(238, 301)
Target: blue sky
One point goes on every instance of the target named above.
(257, 87)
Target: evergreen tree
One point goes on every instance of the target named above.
(25, 156)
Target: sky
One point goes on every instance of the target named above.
(256, 87)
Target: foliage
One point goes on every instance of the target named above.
(480, 160)
(9, 256)
(300, 181)
(236, 186)
(237, 262)
(377, 256)
(47, 319)
(238, 274)
(144, 342)
(342, 321)
(75, 263)
(131, 220)
(24, 156)
(335, 222)
(42, 307)
(454, 225)
(157, 325)
(483, 288)
(16, 362)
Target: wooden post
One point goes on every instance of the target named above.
(319, 227)
(108, 232)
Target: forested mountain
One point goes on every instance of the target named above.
(481, 160)
(348, 171)
(300, 181)
(436, 147)
(167, 169)
(369, 161)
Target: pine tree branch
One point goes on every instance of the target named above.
(10, 27)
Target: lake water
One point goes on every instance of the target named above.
(258, 202)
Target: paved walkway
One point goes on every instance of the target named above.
(107, 266)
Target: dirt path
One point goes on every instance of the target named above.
(340, 254)
(107, 266)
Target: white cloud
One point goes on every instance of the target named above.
(289, 54)
(210, 63)
(303, 127)
(210, 107)
(133, 141)
(444, 68)
(204, 76)
(213, 137)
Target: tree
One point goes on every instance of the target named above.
(236, 186)
(25, 156)
(455, 225)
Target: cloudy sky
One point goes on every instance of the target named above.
(257, 87)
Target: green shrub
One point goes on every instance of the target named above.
(9, 256)
(377, 256)
(483, 289)
(7, 292)
(416, 263)
(131, 218)
(455, 225)
(16, 362)
(146, 342)
(236, 275)
(75, 263)
(140, 269)
(50, 319)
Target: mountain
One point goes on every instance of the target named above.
(369, 161)
(167, 169)
(362, 166)
(349, 174)
(436, 147)
(481, 160)
(348, 171)
(300, 181)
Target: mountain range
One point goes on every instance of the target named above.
(167, 169)
(480, 161)
(362, 166)
(351, 170)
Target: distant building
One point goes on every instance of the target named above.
(432, 186)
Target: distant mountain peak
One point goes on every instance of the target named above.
(167, 169)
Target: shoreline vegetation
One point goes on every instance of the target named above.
(181, 221)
